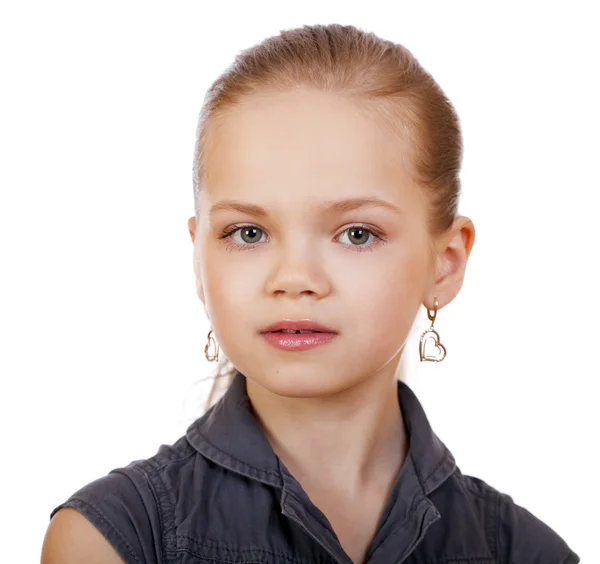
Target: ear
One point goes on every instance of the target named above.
(196, 261)
(452, 254)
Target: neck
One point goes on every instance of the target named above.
(349, 441)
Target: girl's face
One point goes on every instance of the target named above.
(293, 155)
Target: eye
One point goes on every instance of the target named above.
(358, 235)
(250, 236)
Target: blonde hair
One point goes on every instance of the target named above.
(384, 76)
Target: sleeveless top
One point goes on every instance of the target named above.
(220, 494)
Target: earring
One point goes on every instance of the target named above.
(432, 334)
(215, 355)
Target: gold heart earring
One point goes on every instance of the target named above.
(215, 354)
(432, 334)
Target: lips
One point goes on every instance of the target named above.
(297, 332)
(297, 342)
(297, 327)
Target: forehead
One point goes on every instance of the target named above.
(307, 140)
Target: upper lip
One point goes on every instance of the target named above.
(305, 324)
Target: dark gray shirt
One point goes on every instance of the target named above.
(220, 494)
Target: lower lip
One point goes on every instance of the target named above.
(298, 341)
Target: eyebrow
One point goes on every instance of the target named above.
(332, 206)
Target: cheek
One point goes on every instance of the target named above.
(230, 283)
(385, 297)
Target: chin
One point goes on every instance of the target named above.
(300, 382)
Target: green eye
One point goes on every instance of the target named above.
(363, 235)
(250, 236)
(249, 233)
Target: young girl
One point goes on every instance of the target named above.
(326, 186)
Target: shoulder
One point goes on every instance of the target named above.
(512, 531)
(125, 511)
(71, 538)
(524, 537)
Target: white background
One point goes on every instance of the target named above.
(102, 335)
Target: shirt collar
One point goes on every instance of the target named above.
(229, 435)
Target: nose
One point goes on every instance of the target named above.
(298, 271)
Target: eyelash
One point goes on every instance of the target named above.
(379, 239)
